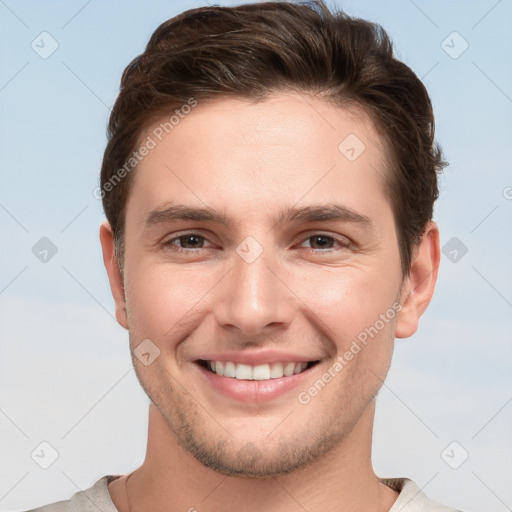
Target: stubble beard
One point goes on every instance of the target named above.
(303, 442)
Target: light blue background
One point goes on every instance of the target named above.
(65, 371)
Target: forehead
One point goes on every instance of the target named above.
(235, 154)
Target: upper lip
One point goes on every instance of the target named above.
(257, 357)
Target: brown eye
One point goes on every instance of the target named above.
(188, 241)
(321, 242)
(191, 241)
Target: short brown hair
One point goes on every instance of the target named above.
(253, 50)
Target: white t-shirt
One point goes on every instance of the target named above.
(97, 499)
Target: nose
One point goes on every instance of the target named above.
(253, 297)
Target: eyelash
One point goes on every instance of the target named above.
(169, 243)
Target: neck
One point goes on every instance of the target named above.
(170, 479)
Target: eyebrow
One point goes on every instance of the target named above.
(312, 213)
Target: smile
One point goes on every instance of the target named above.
(260, 372)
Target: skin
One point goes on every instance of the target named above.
(250, 161)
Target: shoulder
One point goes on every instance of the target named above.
(94, 499)
(412, 498)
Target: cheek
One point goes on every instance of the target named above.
(346, 301)
(161, 300)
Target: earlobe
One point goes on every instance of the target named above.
(419, 286)
(114, 274)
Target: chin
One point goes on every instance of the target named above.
(265, 462)
(269, 456)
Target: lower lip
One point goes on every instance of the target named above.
(252, 390)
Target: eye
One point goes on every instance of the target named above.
(322, 242)
(186, 242)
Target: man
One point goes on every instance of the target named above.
(269, 183)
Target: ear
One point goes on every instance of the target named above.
(114, 274)
(418, 286)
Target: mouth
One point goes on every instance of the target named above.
(260, 372)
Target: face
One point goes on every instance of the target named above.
(260, 248)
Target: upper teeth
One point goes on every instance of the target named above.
(260, 372)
